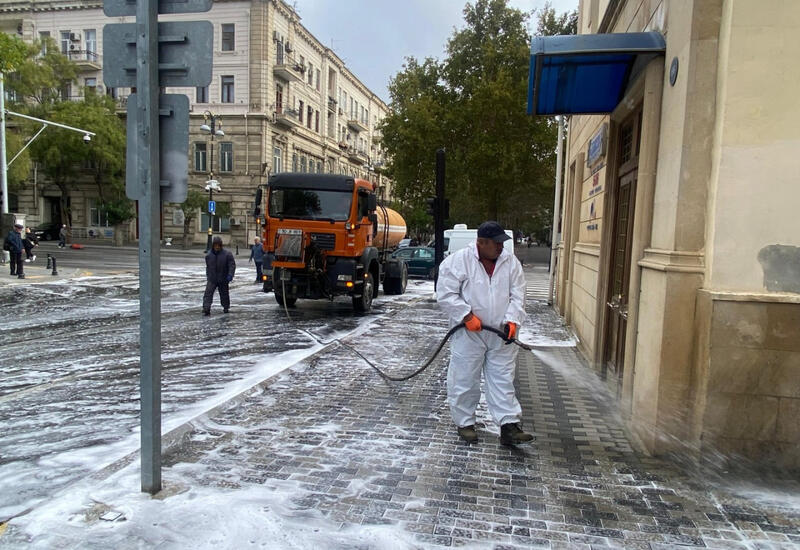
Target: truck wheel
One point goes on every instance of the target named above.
(290, 300)
(363, 303)
(396, 285)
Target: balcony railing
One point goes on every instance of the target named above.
(331, 104)
(357, 125)
(86, 60)
(286, 117)
(357, 155)
(289, 71)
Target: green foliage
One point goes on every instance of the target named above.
(500, 161)
(119, 210)
(19, 170)
(67, 160)
(551, 24)
(195, 200)
(13, 52)
(40, 78)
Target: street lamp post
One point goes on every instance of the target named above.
(215, 129)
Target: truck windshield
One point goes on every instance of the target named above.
(310, 204)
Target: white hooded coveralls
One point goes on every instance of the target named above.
(463, 287)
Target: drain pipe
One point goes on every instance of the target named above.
(555, 234)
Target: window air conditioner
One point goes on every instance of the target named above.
(75, 37)
(275, 35)
(73, 47)
(288, 47)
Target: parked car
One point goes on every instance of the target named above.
(407, 242)
(47, 231)
(419, 259)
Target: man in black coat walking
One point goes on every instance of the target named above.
(13, 244)
(220, 267)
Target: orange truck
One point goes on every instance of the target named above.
(324, 235)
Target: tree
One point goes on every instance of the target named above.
(13, 53)
(195, 200)
(551, 24)
(67, 160)
(500, 161)
(42, 79)
(412, 132)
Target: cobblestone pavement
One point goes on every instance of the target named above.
(356, 452)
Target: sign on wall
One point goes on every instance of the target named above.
(597, 146)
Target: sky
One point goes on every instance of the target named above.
(374, 37)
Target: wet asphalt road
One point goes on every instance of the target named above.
(69, 386)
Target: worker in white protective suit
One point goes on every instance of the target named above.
(483, 284)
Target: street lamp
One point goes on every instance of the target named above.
(215, 129)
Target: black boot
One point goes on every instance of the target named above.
(468, 434)
(511, 434)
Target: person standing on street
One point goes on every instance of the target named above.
(257, 256)
(29, 242)
(220, 267)
(15, 247)
(483, 285)
(62, 236)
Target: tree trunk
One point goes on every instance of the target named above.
(187, 240)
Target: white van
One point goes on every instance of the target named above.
(459, 237)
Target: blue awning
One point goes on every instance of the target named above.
(586, 73)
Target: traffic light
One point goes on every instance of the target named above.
(433, 205)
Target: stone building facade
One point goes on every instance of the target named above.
(679, 258)
(284, 101)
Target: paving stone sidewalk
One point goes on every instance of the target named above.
(362, 451)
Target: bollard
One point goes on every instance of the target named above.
(55, 271)
(237, 249)
(49, 261)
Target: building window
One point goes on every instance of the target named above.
(43, 36)
(227, 89)
(319, 166)
(98, 216)
(228, 37)
(310, 117)
(278, 98)
(200, 157)
(218, 223)
(277, 160)
(91, 84)
(316, 121)
(66, 92)
(303, 161)
(279, 52)
(64, 42)
(310, 74)
(300, 116)
(226, 156)
(294, 162)
(112, 93)
(90, 36)
(201, 94)
(317, 77)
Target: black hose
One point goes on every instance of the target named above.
(427, 363)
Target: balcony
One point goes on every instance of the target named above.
(286, 117)
(331, 104)
(289, 71)
(86, 60)
(357, 125)
(377, 136)
(357, 155)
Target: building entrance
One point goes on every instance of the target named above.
(620, 249)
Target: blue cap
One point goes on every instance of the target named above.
(494, 231)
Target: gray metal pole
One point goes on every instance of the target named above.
(3, 165)
(555, 233)
(147, 160)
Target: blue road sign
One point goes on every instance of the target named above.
(212, 206)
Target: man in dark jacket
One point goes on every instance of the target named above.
(15, 248)
(257, 255)
(220, 267)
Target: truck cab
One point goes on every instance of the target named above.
(322, 238)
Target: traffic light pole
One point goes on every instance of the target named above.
(438, 215)
(147, 158)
